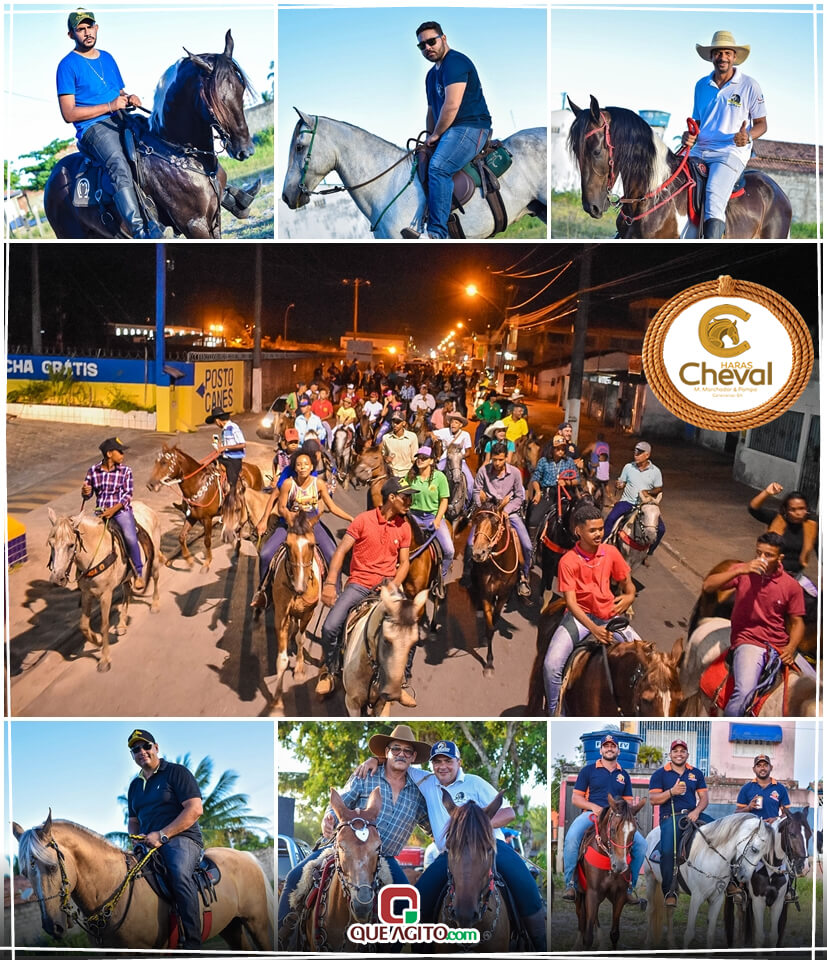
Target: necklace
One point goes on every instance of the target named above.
(100, 76)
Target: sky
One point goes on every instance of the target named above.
(80, 767)
(144, 39)
(361, 65)
(645, 59)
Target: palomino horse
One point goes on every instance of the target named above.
(296, 588)
(378, 641)
(635, 533)
(343, 884)
(616, 142)
(731, 848)
(473, 899)
(497, 557)
(369, 469)
(198, 98)
(202, 490)
(603, 868)
(87, 543)
(73, 870)
(381, 177)
(787, 861)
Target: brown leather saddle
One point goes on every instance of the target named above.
(697, 192)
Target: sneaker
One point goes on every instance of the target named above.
(325, 684)
(569, 893)
(406, 697)
(524, 588)
(631, 895)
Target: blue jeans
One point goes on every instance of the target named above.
(102, 142)
(559, 650)
(324, 538)
(181, 855)
(510, 866)
(456, 147)
(125, 520)
(620, 509)
(425, 522)
(335, 620)
(725, 166)
(670, 840)
(291, 881)
(747, 664)
(574, 837)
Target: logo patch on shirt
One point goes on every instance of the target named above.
(620, 778)
(774, 794)
(692, 776)
(734, 100)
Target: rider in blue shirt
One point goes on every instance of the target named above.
(773, 794)
(90, 91)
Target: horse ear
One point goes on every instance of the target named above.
(677, 650)
(17, 830)
(594, 109)
(52, 517)
(573, 107)
(494, 806)
(374, 804)
(45, 831)
(338, 805)
(200, 62)
(447, 802)
(75, 521)
(304, 117)
(228, 44)
(391, 600)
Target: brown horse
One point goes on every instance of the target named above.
(473, 899)
(423, 569)
(79, 877)
(296, 588)
(419, 426)
(497, 558)
(603, 868)
(202, 486)
(369, 469)
(242, 510)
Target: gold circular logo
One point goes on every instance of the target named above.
(727, 355)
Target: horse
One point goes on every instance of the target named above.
(556, 536)
(419, 426)
(497, 557)
(423, 568)
(635, 532)
(381, 177)
(787, 861)
(338, 888)
(613, 141)
(473, 899)
(197, 98)
(603, 868)
(460, 495)
(202, 491)
(342, 451)
(627, 679)
(101, 567)
(379, 637)
(72, 869)
(296, 588)
(369, 469)
(240, 511)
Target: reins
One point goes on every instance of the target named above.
(495, 539)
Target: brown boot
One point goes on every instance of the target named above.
(326, 684)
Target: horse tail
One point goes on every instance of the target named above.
(656, 910)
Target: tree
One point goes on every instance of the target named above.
(45, 158)
(11, 178)
(226, 821)
(270, 95)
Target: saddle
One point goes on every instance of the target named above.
(718, 683)
(482, 173)
(119, 547)
(699, 172)
(594, 857)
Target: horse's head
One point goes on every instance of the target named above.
(590, 142)
(657, 691)
(38, 859)
(754, 840)
(647, 518)
(301, 545)
(470, 848)
(63, 544)
(618, 826)
(793, 834)
(399, 633)
(307, 162)
(165, 468)
(489, 523)
(369, 463)
(357, 852)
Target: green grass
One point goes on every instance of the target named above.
(239, 171)
(803, 231)
(568, 219)
(526, 228)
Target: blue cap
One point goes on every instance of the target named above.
(445, 748)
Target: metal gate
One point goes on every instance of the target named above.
(808, 483)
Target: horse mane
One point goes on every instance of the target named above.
(633, 140)
(470, 828)
(621, 807)
(300, 523)
(32, 846)
(344, 123)
(726, 829)
(223, 67)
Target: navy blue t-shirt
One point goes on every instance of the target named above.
(666, 777)
(775, 795)
(457, 68)
(595, 781)
(156, 802)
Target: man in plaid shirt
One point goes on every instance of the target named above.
(112, 484)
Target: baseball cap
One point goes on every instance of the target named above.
(425, 452)
(643, 447)
(113, 443)
(395, 485)
(304, 402)
(137, 735)
(760, 757)
(609, 738)
(398, 417)
(445, 748)
(79, 15)
(291, 433)
(678, 743)
(559, 440)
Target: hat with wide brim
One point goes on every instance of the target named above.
(454, 415)
(379, 743)
(723, 40)
(218, 413)
(495, 426)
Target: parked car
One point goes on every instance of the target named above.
(291, 852)
(268, 423)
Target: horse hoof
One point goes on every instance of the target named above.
(488, 672)
(156, 607)
(104, 666)
(120, 631)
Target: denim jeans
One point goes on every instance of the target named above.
(747, 664)
(336, 619)
(559, 651)
(102, 141)
(456, 147)
(670, 841)
(324, 539)
(575, 832)
(181, 856)
(125, 520)
(425, 522)
(725, 166)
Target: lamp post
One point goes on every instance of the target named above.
(290, 306)
(356, 282)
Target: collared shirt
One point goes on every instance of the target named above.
(461, 439)
(497, 487)
(596, 781)
(375, 553)
(423, 401)
(775, 796)
(667, 777)
(230, 436)
(428, 493)
(111, 486)
(637, 480)
(397, 818)
(467, 786)
(403, 449)
(720, 111)
(761, 607)
(303, 424)
(158, 800)
(514, 429)
(590, 577)
(547, 472)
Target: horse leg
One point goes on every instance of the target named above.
(122, 619)
(691, 920)
(592, 905)
(182, 539)
(490, 619)
(207, 524)
(715, 904)
(86, 616)
(282, 620)
(105, 604)
(617, 909)
(156, 573)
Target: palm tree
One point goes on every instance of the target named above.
(226, 819)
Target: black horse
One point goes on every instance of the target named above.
(182, 184)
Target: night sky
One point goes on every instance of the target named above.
(417, 289)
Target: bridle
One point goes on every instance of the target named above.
(175, 476)
(496, 536)
(483, 901)
(358, 892)
(622, 818)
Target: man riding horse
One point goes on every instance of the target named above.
(637, 476)
(90, 91)
(230, 444)
(729, 109)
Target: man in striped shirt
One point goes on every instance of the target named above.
(112, 485)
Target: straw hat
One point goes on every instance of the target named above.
(495, 426)
(723, 40)
(402, 733)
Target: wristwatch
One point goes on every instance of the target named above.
(164, 838)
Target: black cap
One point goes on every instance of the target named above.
(395, 485)
(397, 416)
(218, 413)
(138, 735)
(113, 443)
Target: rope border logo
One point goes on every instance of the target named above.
(727, 355)
(398, 908)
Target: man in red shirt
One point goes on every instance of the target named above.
(380, 541)
(323, 409)
(768, 614)
(585, 578)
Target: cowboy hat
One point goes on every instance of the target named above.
(454, 415)
(723, 40)
(218, 413)
(495, 426)
(379, 743)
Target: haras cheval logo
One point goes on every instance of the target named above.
(727, 355)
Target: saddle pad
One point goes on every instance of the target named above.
(86, 185)
(717, 682)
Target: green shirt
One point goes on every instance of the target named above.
(489, 411)
(428, 493)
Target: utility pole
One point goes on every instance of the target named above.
(578, 348)
(256, 394)
(37, 324)
(356, 282)
(290, 306)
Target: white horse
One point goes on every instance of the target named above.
(86, 542)
(729, 848)
(381, 181)
(635, 532)
(798, 697)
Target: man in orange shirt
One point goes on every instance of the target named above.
(585, 579)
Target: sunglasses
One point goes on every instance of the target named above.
(405, 751)
(424, 456)
(430, 42)
(141, 746)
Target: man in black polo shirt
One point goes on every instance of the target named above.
(164, 804)
(679, 789)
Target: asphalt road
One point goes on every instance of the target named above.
(204, 655)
